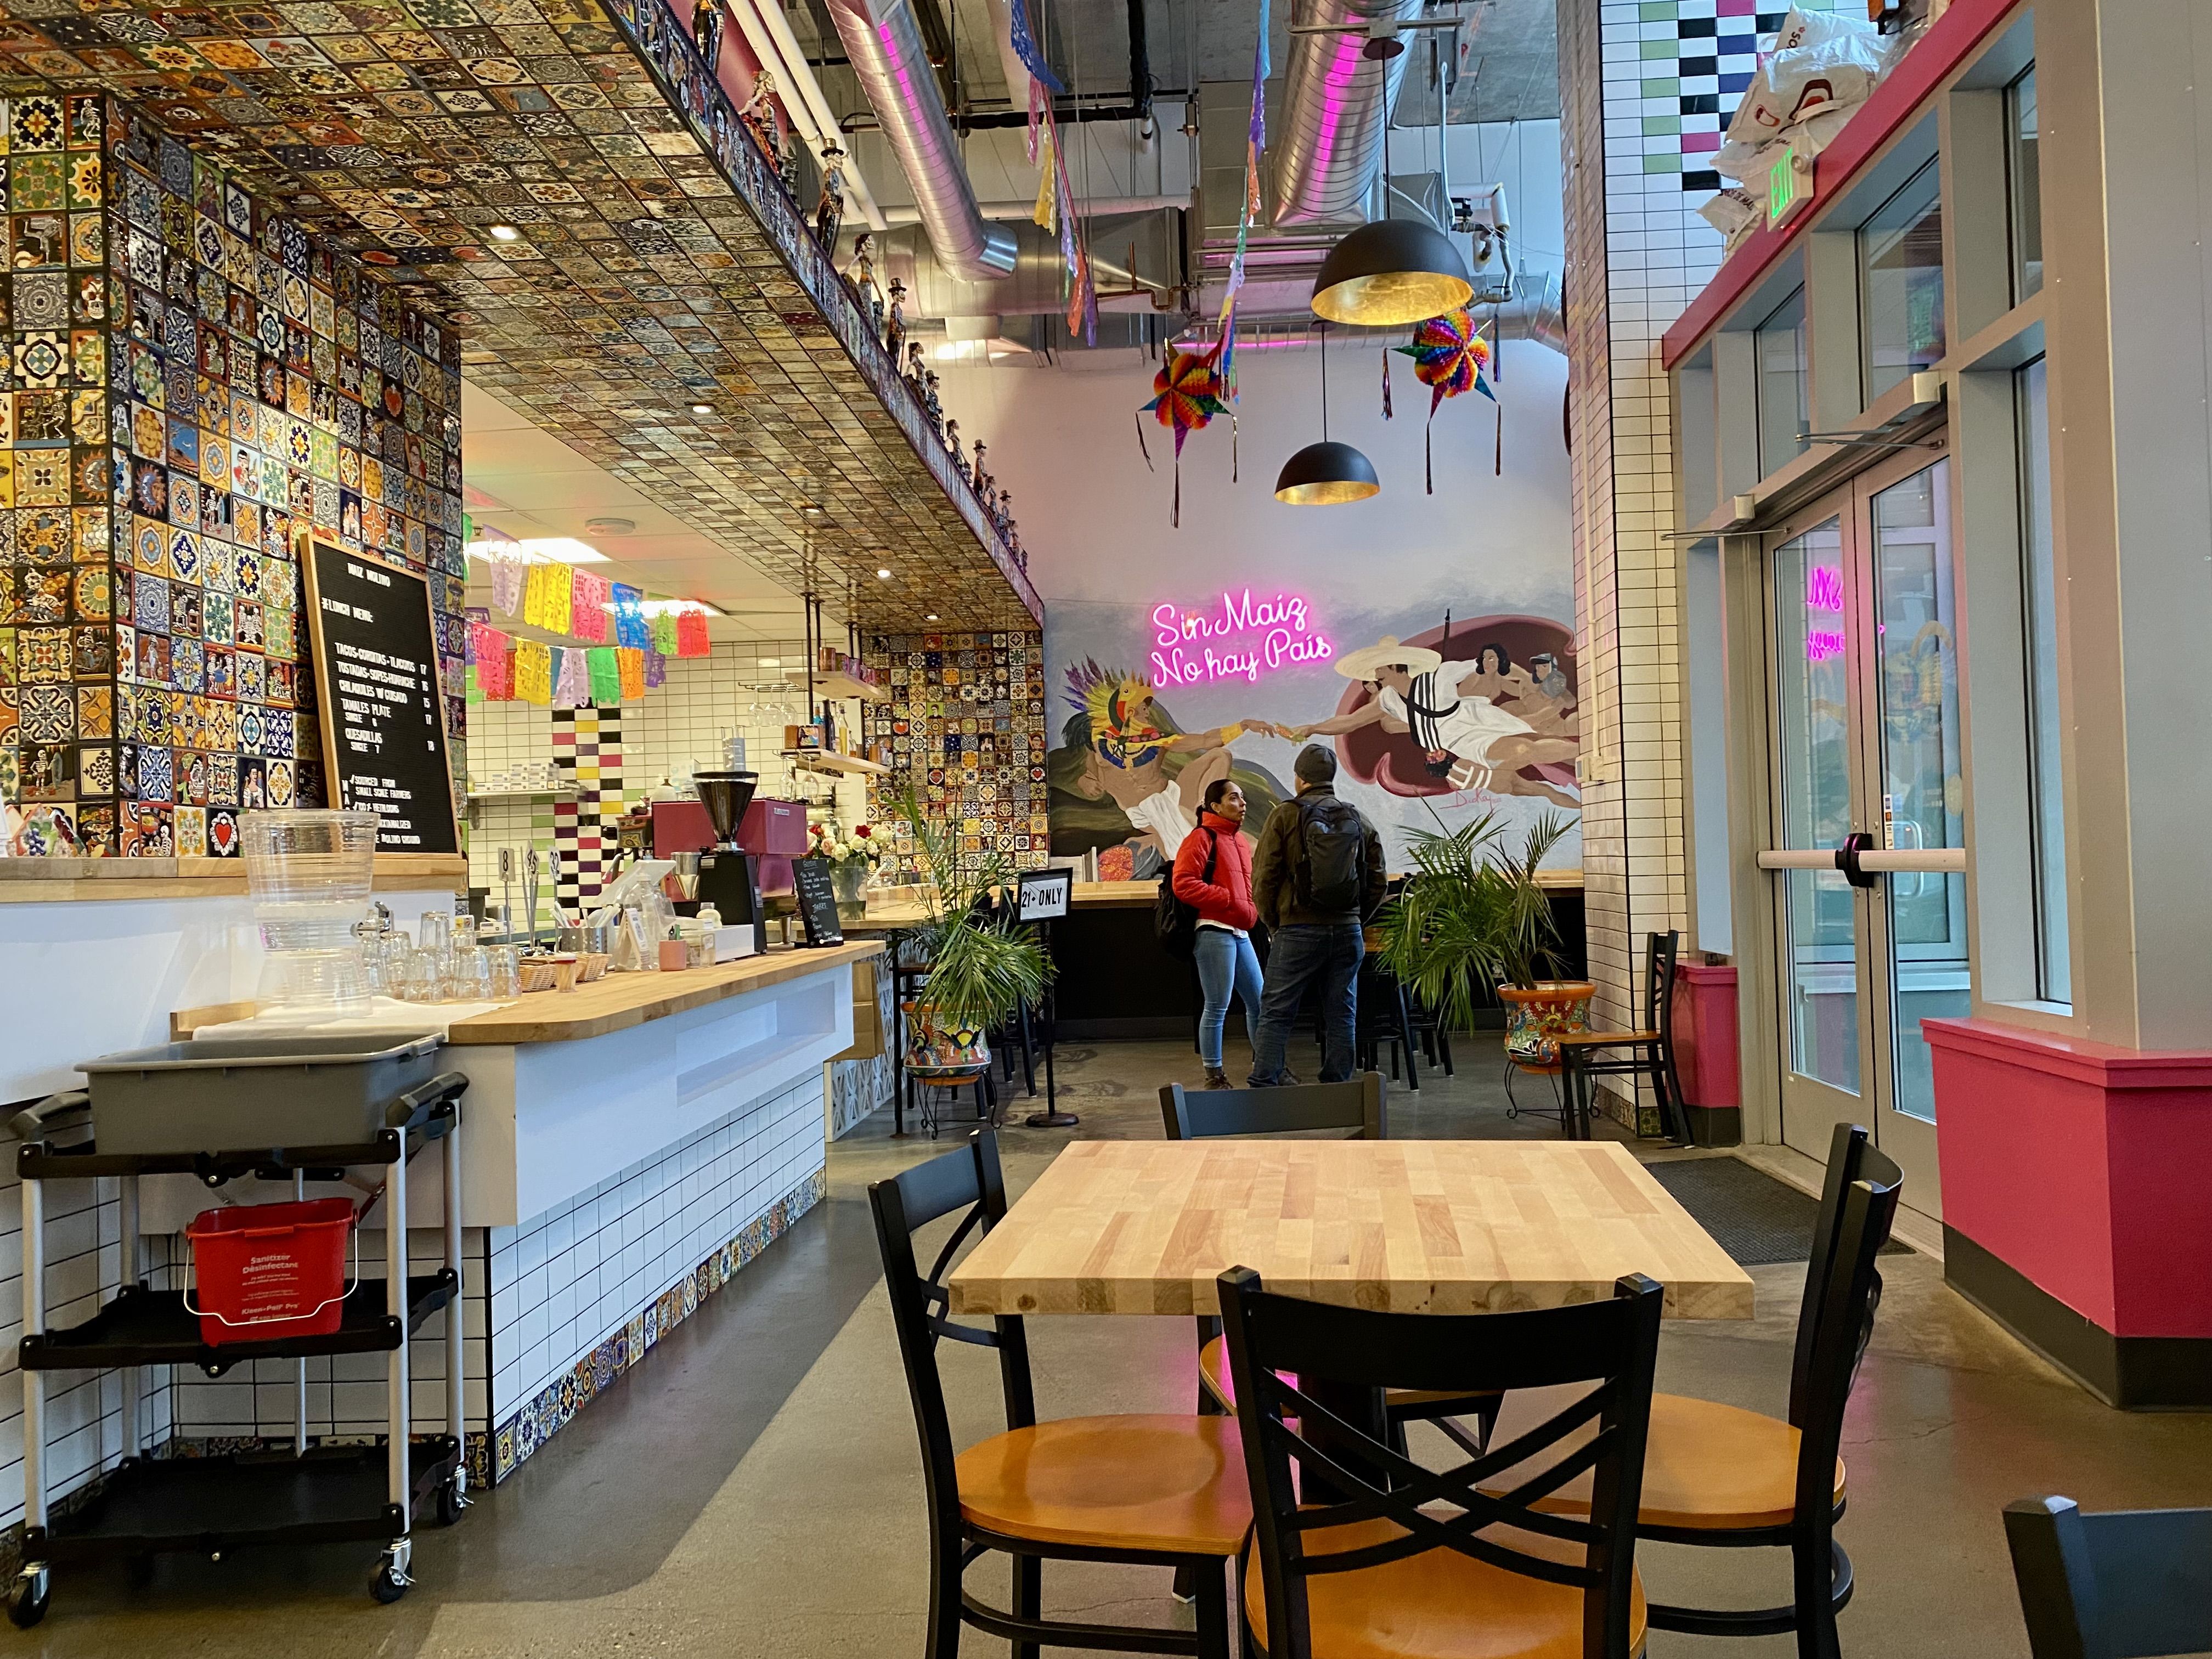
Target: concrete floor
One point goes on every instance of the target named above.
(754, 1488)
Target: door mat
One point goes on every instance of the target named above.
(1754, 1217)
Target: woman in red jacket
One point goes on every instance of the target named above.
(1214, 876)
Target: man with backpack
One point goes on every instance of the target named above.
(1317, 876)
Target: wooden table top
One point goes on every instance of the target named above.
(1429, 1226)
(620, 1000)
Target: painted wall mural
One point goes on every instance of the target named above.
(1430, 726)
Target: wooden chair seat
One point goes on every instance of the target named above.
(949, 1079)
(1213, 1377)
(1440, 1604)
(1174, 1485)
(1602, 1039)
(1707, 1467)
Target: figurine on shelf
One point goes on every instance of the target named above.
(953, 443)
(759, 117)
(979, 476)
(915, 369)
(830, 208)
(1005, 512)
(895, 322)
(707, 31)
(860, 278)
(787, 170)
(930, 402)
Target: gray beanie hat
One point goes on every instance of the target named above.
(1315, 764)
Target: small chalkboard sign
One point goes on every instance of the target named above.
(817, 902)
(378, 698)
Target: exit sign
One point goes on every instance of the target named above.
(1788, 188)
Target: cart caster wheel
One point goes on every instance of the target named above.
(27, 1602)
(388, 1586)
(449, 1504)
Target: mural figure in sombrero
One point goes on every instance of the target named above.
(1456, 712)
(1126, 760)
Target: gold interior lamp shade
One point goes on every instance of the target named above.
(1327, 475)
(1392, 272)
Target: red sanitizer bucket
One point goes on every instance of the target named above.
(271, 1271)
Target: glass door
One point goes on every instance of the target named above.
(1869, 851)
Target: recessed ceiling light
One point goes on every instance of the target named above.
(505, 233)
(813, 512)
(884, 573)
(702, 409)
(932, 617)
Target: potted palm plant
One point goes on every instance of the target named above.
(1472, 907)
(982, 963)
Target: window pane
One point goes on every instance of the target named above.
(1901, 283)
(1812, 689)
(2047, 798)
(2024, 181)
(1786, 408)
(1923, 793)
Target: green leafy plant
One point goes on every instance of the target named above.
(1471, 911)
(983, 964)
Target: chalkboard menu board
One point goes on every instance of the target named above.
(817, 902)
(378, 695)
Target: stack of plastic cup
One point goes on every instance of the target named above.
(309, 870)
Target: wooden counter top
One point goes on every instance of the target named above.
(47, 881)
(1120, 895)
(621, 1001)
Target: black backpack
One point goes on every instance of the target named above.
(1175, 922)
(1332, 875)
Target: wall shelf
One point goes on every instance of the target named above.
(834, 765)
(475, 802)
(840, 685)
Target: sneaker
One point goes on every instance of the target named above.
(1217, 1079)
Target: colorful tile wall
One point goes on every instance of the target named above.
(966, 723)
(192, 382)
(587, 748)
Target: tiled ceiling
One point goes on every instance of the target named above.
(658, 264)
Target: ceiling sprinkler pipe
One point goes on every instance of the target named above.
(884, 43)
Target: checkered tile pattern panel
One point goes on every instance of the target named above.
(588, 747)
(1691, 60)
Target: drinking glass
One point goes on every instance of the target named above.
(417, 979)
(471, 976)
(506, 972)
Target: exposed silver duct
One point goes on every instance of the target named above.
(1036, 284)
(1327, 144)
(884, 45)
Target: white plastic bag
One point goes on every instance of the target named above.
(1747, 164)
(1817, 29)
(1731, 211)
(1841, 69)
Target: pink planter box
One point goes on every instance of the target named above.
(1705, 1036)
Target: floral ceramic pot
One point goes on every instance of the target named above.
(943, 1050)
(1538, 1016)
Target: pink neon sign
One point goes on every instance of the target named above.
(1824, 591)
(1240, 638)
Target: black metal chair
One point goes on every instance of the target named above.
(1359, 1547)
(1160, 1491)
(1385, 1014)
(1650, 1049)
(2125, 1584)
(1723, 1477)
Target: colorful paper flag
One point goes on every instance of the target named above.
(664, 634)
(605, 676)
(548, 597)
(656, 670)
(572, 684)
(587, 610)
(533, 672)
(630, 663)
(506, 579)
(631, 629)
(691, 634)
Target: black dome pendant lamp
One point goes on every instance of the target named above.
(1391, 273)
(1326, 474)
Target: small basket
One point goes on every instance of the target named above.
(538, 973)
(266, 1271)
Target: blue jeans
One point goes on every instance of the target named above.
(1307, 954)
(1225, 963)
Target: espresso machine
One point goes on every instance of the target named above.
(727, 878)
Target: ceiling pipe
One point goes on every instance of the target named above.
(884, 43)
(773, 44)
(1327, 149)
(1086, 207)
(1138, 106)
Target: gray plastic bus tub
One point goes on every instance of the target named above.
(217, 1094)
